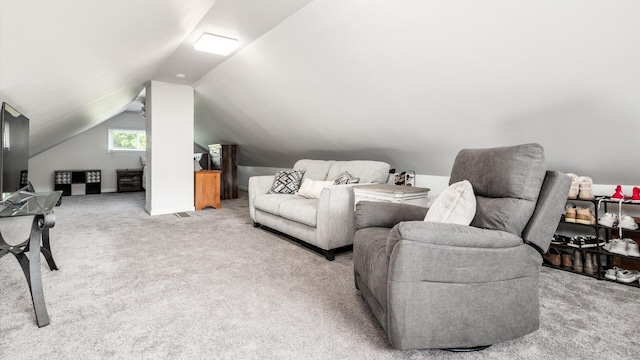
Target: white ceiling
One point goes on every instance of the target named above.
(69, 65)
(409, 82)
(412, 82)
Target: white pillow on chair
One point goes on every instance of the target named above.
(455, 205)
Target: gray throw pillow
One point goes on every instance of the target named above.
(286, 182)
(346, 178)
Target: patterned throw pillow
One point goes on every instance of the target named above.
(286, 182)
(346, 178)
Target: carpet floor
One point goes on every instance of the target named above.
(211, 286)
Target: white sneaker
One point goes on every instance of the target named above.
(585, 186)
(627, 222)
(627, 276)
(618, 247)
(608, 220)
(575, 186)
(632, 248)
(611, 273)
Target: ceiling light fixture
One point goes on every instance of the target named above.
(216, 44)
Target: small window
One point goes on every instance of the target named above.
(127, 140)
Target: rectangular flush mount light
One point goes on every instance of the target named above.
(216, 44)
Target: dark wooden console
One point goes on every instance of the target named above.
(129, 180)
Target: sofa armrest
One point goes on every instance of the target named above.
(386, 214)
(336, 221)
(258, 185)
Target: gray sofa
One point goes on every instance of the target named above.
(325, 224)
(450, 286)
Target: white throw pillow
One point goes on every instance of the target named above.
(311, 189)
(455, 205)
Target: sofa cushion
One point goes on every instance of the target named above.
(304, 211)
(271, 202)
(286, 182)
(311, 189)
(314, 169)
(346, 178)
(455, 205)
(367, 171)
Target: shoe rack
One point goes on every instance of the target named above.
(592, 260)
(627, 262)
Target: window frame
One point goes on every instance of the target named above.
(138, 132)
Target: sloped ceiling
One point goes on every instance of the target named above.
(413, 82)
(70, 65)
(408, 82)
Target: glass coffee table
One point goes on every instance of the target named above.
(39, 205)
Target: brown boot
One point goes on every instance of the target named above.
(553, 257)
(566, 261)
(589, 266)
(577, 261)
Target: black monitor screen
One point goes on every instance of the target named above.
(14, 161)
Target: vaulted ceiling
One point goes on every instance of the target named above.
(408, 82)
(70, 65)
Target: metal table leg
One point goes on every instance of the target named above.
(31, 264)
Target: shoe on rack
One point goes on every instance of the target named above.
(618, 247)
(584, 216)
(570, 213)
(611, 273)
(577, 261)
(627, 222)
(589, 266)
(608, 245)
(627, 276)
(558, 239)
(635, 197)
(553, 257)
(588, 241)
(575, 186)
(566, 261)
(585, 188)
(632, 248)
(618, 194)
(608, 220)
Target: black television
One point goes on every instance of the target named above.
(14, 160)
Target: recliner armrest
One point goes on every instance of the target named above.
(451, 235)
(386, 214)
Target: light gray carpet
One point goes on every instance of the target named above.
(210, 286)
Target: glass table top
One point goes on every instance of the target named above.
(22, 203)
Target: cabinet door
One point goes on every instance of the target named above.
(207, 189)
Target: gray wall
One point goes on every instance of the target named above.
(87, 151)
(413, 82)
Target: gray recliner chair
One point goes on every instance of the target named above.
(448, 286)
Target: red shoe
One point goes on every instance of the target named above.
(636, 194)
(618, 195)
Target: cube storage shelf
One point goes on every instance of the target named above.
(78, 182)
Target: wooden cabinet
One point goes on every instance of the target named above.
(207, 189)
(225, 158)
(129, 180)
